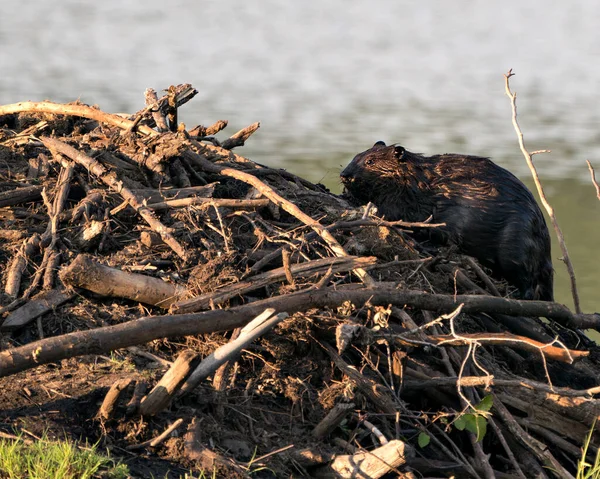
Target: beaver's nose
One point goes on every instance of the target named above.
(347, 175)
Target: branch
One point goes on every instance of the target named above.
(239, 138)
(143, 330)
(538, 184)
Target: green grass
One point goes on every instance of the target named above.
(585, 470)
(55, 459)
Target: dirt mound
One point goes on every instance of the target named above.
(196, 311)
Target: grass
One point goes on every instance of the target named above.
(45, 459)
(585, 470)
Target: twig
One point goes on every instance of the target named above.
(593, 175)
(158, 439)
(538, 184)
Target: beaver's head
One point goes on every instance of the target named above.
(392, 178)
(371, 169)
(380, 160)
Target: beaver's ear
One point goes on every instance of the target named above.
(399, 152)
(379, 144)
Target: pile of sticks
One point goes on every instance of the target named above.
(421, 356)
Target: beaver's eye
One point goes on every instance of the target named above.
(369, 162)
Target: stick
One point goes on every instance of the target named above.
(538, 184)
(158, 439)
(139, 331)
(75, 110)
(541, 452)
(85, 273)
(593, 175)
(487, 381)
(217, 202)
(38, 305)
(338, 413)
(519, 342)
(259, 326)
(160, 396)
(239, 138)
(18, 265)
(111, 399)
(110, 178)
(20, 195)
(372, 464)
(308, 268)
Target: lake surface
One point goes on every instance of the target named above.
(328, 79)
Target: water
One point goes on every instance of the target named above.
(328, 79)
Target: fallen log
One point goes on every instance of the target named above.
(139, 331)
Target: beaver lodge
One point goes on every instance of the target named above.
(196, 312)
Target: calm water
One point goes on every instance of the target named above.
(328, 79)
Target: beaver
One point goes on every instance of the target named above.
(489, 213)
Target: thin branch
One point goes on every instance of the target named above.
(538, 184)
(593, 175)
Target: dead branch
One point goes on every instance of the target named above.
(161, 394)
(260, 325)
(18, 265)
(158, 439)
(541, 452)
(239, 138)
(85, 273)
(74, 109)
(488, 381)
(372, 464)
(20, 195)
(308, 268)
(40, 304)
(103, 340)
(540, 189)
(332, 420)
(111, 399)
(216, 202)
(518, 342)
(593, 175)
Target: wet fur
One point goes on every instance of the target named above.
(488, 212)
